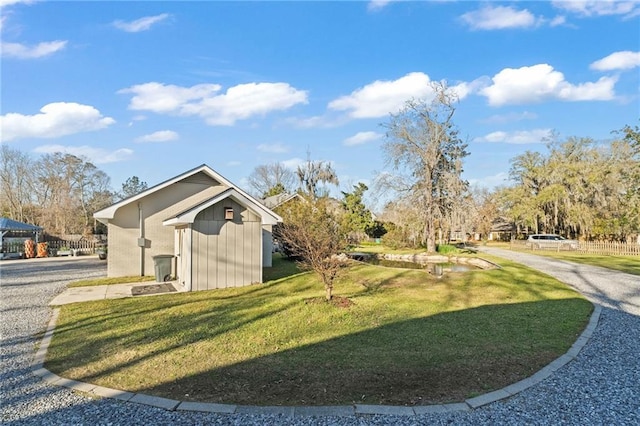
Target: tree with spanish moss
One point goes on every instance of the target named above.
(424, 148)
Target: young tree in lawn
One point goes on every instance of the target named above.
(311, 233)
(424, 148)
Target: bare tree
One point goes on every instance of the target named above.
(271, 179)
(312, 233)
(423, 146)
(16, 180)
(486, 211)
(67, 186)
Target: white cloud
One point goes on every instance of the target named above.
(167, 98)
(510, 117)
(204, 100)
(500, 18)
(142, 24)
(293, 163)
(362, 138)
(490, 182)
(159, 136)
(21, 51)
(308, 122)
(598, 7)
(273, 148)
(518, 137)
(464, 89)
(95, 155)
(5, 3)
(541, 82)
(376, 5)
(383, 96)
(557, 21)
(55, 120)
(617, 61)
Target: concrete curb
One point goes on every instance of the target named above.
(38, 369)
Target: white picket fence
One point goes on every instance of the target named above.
(588, 247)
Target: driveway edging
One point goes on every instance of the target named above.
(37, 367)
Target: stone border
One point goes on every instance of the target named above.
(478, 262)
(38, 369)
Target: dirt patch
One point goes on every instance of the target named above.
(338, 301)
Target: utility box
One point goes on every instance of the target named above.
(162, 266)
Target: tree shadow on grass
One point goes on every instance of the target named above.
(441, 358)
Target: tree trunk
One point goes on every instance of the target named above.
(328, 291)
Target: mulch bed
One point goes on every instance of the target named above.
(338, 301)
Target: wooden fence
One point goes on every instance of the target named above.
(587, 247)
(63, 247)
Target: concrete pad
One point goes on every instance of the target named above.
(155, 401)
(118, 291)
(487, 398)
(267, 410)
(389, 410)
(440, 408)
(338, 410)
(112, 393)
(206, 407)
(80, 294)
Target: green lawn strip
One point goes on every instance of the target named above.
(409, 338)
(110, 281)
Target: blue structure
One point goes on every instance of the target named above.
(15, 229)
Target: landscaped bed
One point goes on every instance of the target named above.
(405, 338)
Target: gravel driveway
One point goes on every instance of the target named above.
(601, 386)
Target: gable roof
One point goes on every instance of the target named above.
(267, 215)
(189, 215)
(279, 199)
(7, 224)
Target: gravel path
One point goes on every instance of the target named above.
(601, 386)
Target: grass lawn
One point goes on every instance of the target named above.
(109, 281)
(408, 338)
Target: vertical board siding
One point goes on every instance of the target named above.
(226, 252)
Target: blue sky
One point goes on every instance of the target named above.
(153, 89)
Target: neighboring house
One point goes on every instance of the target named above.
(276, 201)
(501, 230)
(220, 235)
